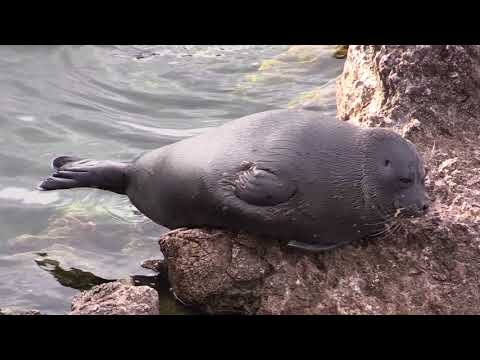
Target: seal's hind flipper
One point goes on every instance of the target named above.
(53, 183)
(72, 172)
(60, 161)
(312, 247)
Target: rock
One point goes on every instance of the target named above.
(436, 84)
(429, 265)
(155, 265)
(116, 298)
(341, 51)
(12, 311)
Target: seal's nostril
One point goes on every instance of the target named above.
(425, 207)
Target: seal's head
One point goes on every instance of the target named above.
(393, 175)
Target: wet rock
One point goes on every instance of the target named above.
(156, 265)
(430, 94)
(12, 311)
(116, 298)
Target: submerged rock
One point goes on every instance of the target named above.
(15, 311)
(116, 298)
(292, 66)
(429, 94)
(320, 98)
(341, 51)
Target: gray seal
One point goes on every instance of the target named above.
(294, 175)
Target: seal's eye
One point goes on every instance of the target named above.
(387, 162)
(406, 180)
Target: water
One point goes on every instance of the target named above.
(114, 102)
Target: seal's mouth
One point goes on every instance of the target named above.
(415, 210)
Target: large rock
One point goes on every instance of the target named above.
(116, 298)
(392, 85)
(430, 94)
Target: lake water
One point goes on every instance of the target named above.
(114, 102)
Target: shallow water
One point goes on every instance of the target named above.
(114, 102)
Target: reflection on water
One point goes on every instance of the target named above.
(72, 278)
(84, 280)
(115, 102)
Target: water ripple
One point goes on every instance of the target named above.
(112, 102)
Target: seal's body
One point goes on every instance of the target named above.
(289, 174)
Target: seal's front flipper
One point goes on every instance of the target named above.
(312, 247)
(72, 172)
(262, 187)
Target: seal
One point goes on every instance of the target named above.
(293, 175)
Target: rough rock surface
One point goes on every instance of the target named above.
(12, 311)
(116, 298)
(431, 95)
(435, 86)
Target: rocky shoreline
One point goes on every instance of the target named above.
(429, 94)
